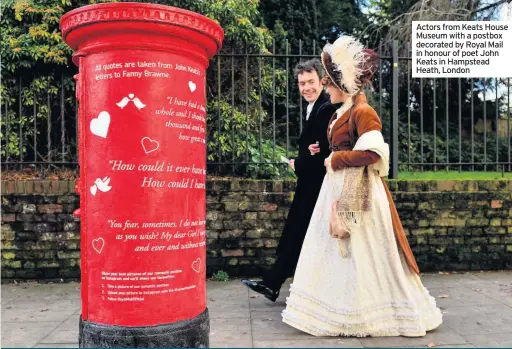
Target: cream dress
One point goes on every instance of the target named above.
(369, 292)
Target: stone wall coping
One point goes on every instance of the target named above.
(62, 187)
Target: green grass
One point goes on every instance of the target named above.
(220, 275)
(454, 175)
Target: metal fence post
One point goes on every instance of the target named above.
(272, 124)
(394, 117)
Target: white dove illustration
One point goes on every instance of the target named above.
(103, 184)
(138, 103)
(123, 103)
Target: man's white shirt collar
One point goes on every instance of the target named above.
(309, 109)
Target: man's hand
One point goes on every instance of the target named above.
(314, 148)
(292, 164)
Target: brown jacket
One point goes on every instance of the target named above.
(365, 119)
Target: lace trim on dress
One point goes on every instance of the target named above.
(360, 310)
(385, 324)
(366, 317)
(358, 331)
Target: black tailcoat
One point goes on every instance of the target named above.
(310, 171)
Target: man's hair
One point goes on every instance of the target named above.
(309, 66)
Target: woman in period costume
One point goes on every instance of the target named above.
(357, 275)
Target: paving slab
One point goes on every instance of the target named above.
(65, 333)
(443, 335)
(445, 346)
(229, 333)
(72, 345)
(500, 293)
(479, 319)
(477, 311)
(456, 346)
(25, 334)
(460, 296)
(504, 276)
(31, 310)
(310, 343)
(269, 326)
(444, 280)
(12, 292)
(497, 340)
(227, 300)
(260, 303)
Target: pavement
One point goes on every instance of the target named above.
(477, 311)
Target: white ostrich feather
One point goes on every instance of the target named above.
(347, 53)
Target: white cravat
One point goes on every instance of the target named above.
(309, 109)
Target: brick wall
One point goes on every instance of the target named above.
(451, 225)
(40, 236)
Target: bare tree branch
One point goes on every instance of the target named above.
(493, 5)
(400, 28)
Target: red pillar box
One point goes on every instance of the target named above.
(141, 93)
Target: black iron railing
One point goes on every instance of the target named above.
(255, 115)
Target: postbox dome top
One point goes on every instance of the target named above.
(124, 15)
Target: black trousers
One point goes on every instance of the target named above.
(294, 232)
(282, 269)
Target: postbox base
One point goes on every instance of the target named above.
(191, 333)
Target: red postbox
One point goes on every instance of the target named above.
(142, 148)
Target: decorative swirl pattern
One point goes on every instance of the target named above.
(141, 12)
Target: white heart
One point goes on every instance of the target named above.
(192, 86)
(196, 266)
(99, 126)
(98, 244)
(149, 145)
(94, 189)
(131, 95)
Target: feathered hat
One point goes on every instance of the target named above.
(349, 65)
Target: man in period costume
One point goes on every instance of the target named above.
(310, 170)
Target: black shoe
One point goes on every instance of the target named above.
(259, 287)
